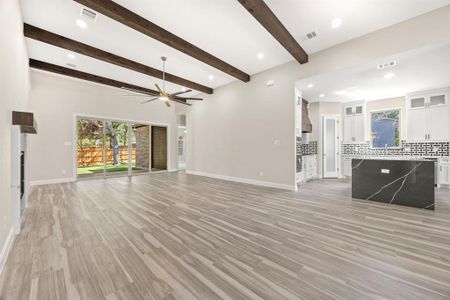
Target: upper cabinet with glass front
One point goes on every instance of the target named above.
(354, 123)
(428, 116)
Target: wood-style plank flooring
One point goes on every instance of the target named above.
(178, 236)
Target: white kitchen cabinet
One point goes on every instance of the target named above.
(354, 123)
(298, 116)
(309, 167)
(428, 116)
(417, 124)
(358, 128)
(347, 167)
(444, 171)
(438, 125)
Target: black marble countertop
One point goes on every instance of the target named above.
(405, 158)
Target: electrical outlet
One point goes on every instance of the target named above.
(277, 142)
(64, 172)
(261, 173)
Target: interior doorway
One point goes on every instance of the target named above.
(331, 144)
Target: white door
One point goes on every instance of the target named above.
(15, 176)
(330, 155)
(417, 124)
(358, 128)
(348, 134)
(438, 123)
(444, 176)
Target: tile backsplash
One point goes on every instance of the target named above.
(407, 149)
(306, 149)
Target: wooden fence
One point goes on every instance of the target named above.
(93, 156)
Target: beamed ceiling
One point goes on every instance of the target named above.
(209, 43)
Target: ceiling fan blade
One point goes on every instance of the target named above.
(182, 102)
(179, 93)
(188, 98)
(145, 96)
(193, 98)
(138, 91)
(149, 100)
(159, 89)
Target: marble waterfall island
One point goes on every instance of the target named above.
(401, 182)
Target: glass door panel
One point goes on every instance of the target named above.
(90, 162)
(116, 142)
(140, 147)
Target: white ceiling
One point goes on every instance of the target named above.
(223, 28)
(418, 70)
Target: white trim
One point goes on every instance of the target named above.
(6, 248)
(338, 135)
(52, 181)
(245, 180)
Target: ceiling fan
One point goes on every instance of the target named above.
(163, 95)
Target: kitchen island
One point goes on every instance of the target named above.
(401, 182)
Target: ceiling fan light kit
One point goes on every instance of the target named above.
(163, 95)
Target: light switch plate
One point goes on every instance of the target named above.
(270, 83)
(385, 171)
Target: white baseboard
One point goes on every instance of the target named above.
(245, 180)
(6, 247)
(51, 181)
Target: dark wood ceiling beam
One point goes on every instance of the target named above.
(66, 43)
(127, 17)
(37, 64)
(264, 15)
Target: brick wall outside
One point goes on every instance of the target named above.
(143, 147)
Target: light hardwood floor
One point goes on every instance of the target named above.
(178, 236)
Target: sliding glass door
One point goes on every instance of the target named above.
(117, 148)
(140, 140)
(90, 148)
(116, 138)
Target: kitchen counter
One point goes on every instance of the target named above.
(408, 182)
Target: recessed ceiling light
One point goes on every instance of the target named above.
(336, 23)
(211, 77)
(321, 95)
(260, 55)
(389, 75)
(343, 92)
(71, 56)
(81, 23)
(310, 85)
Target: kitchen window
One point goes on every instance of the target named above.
(385, 128)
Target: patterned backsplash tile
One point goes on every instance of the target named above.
(407, 149)
(306, 149)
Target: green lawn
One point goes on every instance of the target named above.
(109, 169)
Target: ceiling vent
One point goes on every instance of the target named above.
(386, 65)
(310, 35)
(88, 14)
